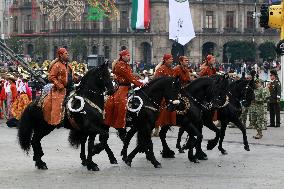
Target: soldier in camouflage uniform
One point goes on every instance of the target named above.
(265, 120)
(257, 109)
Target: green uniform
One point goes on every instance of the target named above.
(265, 120)
(258, 109)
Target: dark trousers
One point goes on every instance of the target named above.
(274, 109)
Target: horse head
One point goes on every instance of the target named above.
(247, 94)
(172, 93)
(218, 90)
(164, 87)
(97, 80)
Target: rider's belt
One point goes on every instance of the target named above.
(125, 84)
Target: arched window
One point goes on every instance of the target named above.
(146, 61)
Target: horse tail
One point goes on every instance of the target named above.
(75, 138)
(26, 127)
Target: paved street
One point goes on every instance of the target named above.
(262, 167)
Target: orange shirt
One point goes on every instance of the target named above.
(164, 71)
(123, 73)
(207, 70)
(183, 74)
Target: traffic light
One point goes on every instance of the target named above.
(264, 16)
(272, 16)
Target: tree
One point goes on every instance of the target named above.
(240, 50)
(78, 48)
(15, 44)
(41, 48)
(267, 50)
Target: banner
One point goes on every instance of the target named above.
(140, 18)
(181, 27)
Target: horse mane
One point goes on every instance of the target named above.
(87, 75)
(154, 82)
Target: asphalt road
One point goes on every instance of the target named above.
(261, 168)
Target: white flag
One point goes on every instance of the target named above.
(181, 27)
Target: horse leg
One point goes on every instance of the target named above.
(151, 156)
(110, 154)
(180, 133)
(190, 145)
(166, 152)
(129, 158)
(213, 142)
(83, 153)
(36, 145)
(121, 133)
(242, 127)
(222, 135)
(91, 166)
(127, 139)
(200, 154)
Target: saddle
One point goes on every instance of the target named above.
(65, 110)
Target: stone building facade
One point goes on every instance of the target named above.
(215, 21)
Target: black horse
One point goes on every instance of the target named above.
(240, 93)
(208, 93)
(202, 94)
(143, 107)
(33, 127)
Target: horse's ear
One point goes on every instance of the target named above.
(106, 62)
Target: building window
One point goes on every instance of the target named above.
(15, 24)
(230, 19)
(107, 25)
(107, 52)
(249, 20)
(124, 21)
(209, 19)
(44, 22)
(28, 23)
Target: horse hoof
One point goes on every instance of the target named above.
(194, 160)
(181, 151)
(224, 152)
(158, 166)
(41, 165)
(246, 148)
(127, 162)
(114, 161)
(168, 154)
(84, 163)
(93, 167)
(202, 158)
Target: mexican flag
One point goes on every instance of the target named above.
(140, 18)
